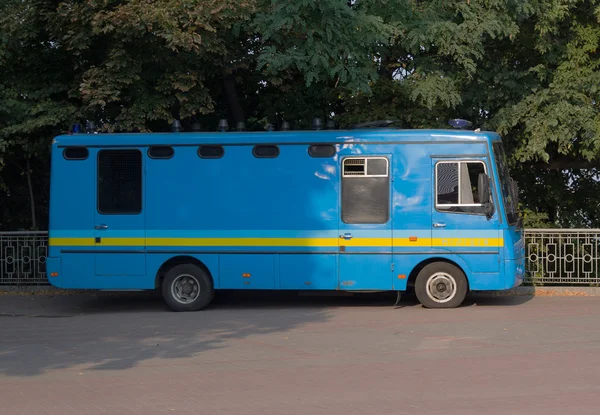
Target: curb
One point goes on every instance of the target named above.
(49, 290)
(549, 292)
(518, 291)
(27, 288)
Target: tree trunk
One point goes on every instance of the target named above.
(232, 98)
(31, 195)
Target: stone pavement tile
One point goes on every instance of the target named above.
(492, 358)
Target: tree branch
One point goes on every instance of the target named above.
(564, 163)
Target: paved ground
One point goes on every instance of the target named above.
(129, 355)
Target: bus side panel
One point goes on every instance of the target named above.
(308, 271)
(489, 281)
(244, 271)
(406, 263)
(72, 208)
(411, 209)
(474, 239)
(247, 210)
(413, 202)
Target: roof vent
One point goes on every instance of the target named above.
(223, 125)
(176, 126)
(317, 124)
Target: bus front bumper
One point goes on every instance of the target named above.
(514, 270)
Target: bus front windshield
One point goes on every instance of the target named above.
(508, 197)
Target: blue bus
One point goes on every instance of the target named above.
(356, 210)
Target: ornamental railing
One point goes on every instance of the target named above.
(23, 258)
(562, 256)
(553, 257)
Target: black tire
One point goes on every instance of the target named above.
(450, 290)
(181, 282)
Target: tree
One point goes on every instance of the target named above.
(525, 68)
(35, 76)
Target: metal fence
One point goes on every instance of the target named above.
(23, 258)
(553, 257)
(562, 256)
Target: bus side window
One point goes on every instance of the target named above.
(365, 190)
(120, 182)
(456, 186)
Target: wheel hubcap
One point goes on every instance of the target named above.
(185, 289)
(441, 287)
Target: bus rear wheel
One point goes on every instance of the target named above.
(187, 287)
(441, 285)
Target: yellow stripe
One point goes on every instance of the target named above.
(71, 242)
(474, 242)
(242, 242)
(122, 242)
(288, 242)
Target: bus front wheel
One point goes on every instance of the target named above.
(441, 285)
(187, 287)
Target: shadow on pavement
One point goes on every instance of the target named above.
(498, 300)
(116, 332)
(93, 303)
(41, 333)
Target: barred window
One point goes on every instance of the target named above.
(365, 190)
(120, 182)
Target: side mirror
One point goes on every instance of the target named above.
(483, 186)
(484, 193)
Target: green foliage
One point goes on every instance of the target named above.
(323, 41)
(528, 69)
(140, 62)
(535, 220)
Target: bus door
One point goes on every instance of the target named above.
(119, 229)
(365, 224)
(459, 222)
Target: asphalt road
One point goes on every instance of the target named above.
(279, 355)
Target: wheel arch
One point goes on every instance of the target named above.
(413, 275)
(178, 260)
